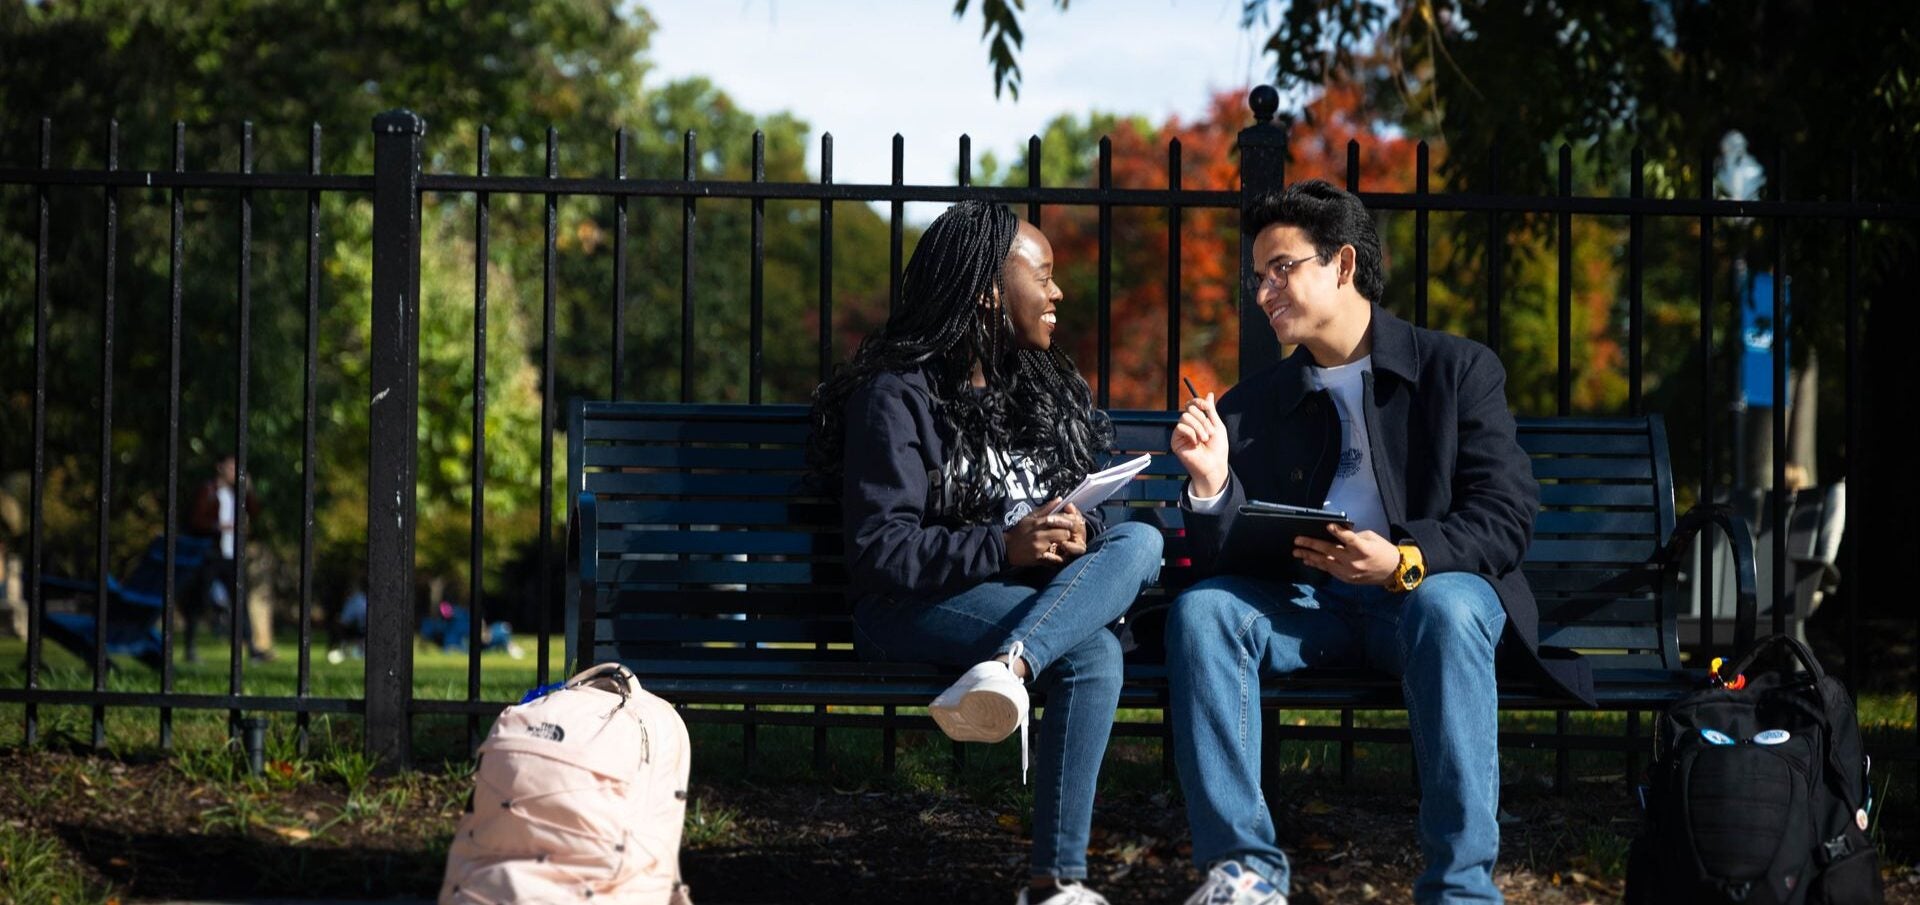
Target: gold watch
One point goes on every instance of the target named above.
(1411, 571)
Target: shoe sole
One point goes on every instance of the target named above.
(978, 717)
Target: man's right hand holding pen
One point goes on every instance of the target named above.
(1200, 443)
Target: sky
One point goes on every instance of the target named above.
(865, 70)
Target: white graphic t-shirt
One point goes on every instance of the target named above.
(1354, 491)
(1020, 481)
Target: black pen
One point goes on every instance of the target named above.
(1189, 383)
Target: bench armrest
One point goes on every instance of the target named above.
(1745, 572)
(584, 569)
(120, 600)
(56, 583)
(1811, 565)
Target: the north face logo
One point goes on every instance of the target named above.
(549, 731)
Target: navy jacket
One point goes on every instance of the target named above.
(1452, 475)
(897, 544)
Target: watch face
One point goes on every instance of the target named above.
(1414, 573)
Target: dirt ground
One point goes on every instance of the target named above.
(153, 831)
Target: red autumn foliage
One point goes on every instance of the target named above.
(1209, 326)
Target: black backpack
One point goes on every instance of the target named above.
(1759, 791)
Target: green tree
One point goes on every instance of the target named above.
(575, 65)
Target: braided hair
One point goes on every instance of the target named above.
(1035, 403)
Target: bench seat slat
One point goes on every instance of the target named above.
(631, 455)
(1382, 693)
(1583, 444)
(1631, 671)
(1639, 496)
(1555, 611)
(611, 484)
(615, 541)
(1638, 524)
(1584, 551)
(1547, 578)
(625, 571)
(1147, 436)
(741, 431)
(710, 512)
(1595, 468)
(1566, 424)
(1608, 637)
(657, 631)
(763, 600)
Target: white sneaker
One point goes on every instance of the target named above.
(1070, 893)
(1233, 883)
(986, 705)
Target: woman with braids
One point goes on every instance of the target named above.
(950, 435)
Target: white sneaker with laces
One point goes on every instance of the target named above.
(1070, 893)
(1233, 883)
(986, 704)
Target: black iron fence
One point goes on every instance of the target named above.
(396, 189)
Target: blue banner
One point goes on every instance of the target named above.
(1756, 340)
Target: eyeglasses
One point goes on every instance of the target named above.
(1278, 274)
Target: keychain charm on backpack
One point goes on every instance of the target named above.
(1713, 675)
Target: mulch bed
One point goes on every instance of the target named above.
(154, 832)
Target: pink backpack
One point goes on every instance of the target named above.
(578, 795)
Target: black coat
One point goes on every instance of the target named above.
(898, 544)
(1453, 478)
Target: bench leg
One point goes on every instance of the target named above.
(749, 738)
(1270, 758)
(1633, 750)
(1167, 771)
(1346, 748)
(888, 743)
(820, 741)
(1562, 767)
(959, 758)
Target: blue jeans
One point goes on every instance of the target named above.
(1227, 632)
(1070, 654)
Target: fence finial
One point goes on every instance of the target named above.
(1265, 101)
(399, 122)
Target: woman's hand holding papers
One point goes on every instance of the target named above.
(1200, 443)
(1051, 539)
(1076, 545)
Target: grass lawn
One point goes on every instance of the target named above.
(325, 796)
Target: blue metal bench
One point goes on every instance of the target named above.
(698, 559)
(134, 604)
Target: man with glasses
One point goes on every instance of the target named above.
(1406, 430)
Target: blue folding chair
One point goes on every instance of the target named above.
(134, 604)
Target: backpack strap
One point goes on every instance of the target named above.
(1767, 645)
(622, 684)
